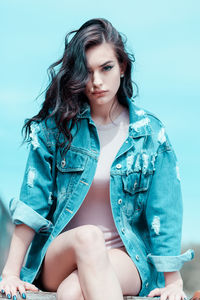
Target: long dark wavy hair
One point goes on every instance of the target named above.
(64, 95)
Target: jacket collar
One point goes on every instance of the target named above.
(139, 121)
(84, 111)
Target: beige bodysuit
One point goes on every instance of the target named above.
(96, 208)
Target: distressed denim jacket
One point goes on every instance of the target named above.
(145, 193)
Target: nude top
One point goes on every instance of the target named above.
(96, 208)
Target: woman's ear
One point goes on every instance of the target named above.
(122, 69)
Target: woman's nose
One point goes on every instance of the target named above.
(97, 80)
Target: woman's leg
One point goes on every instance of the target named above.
(82, 248)
(124, 268)
(70, 288)
(96, 275)
(126, 271)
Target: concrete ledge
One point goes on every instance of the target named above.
(35, 296)
(52, 296)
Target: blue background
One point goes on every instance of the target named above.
(165, 39)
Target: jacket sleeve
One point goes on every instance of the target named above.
(35, 200)
(164, 211)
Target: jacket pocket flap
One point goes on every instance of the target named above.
(73, 161)
(135, 182)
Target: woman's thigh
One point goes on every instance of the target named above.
(59, 261)
(126, 271)
(70, 288)
(61, 256)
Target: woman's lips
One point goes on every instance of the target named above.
(99, 93)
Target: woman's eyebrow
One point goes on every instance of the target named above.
(104, 64)
(107, 62)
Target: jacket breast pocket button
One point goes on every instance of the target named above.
(118, 166)
(119, 201)
(137, 257)
(135, 184)
(63, 163)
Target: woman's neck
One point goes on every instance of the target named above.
(104, 114)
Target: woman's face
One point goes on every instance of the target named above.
(104, 75)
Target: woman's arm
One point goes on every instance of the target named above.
(29, 212)
(163, 214)
(173, 278)
(11, 283)
(21, 240)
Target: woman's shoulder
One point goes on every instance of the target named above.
(44, 131)
(153, 127)
(155, 121)
(150, 118)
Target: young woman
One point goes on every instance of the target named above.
(100, 204)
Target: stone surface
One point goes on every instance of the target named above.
(52, 296)
(36, 296)
(6, 229)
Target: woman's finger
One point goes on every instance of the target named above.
(2, 290)
(172, 296)
(22, 291)
(31, 287)
(178, 296)
(8, 292)
(164, 295)
(184, 297)
(155, 292)
(14, 295)
(13, 292)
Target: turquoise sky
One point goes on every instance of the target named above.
(165, 38)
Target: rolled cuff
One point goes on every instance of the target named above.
(23, 214)
(170, 263)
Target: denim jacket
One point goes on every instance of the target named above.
(145, 193)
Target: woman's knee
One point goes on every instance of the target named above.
(89, 240)
(88, 236)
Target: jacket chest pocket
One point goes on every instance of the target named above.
(69, 171)
(136, 182)
(135, 185)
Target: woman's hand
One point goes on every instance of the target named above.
(172, 291)
(12, 284)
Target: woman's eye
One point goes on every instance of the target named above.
(107, 68)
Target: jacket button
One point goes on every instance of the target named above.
(63, 163)
(146, 285)
(119, 201)
(126, 142)
(123, 230)
(137, 257)
(135, 184)
(118, 166)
